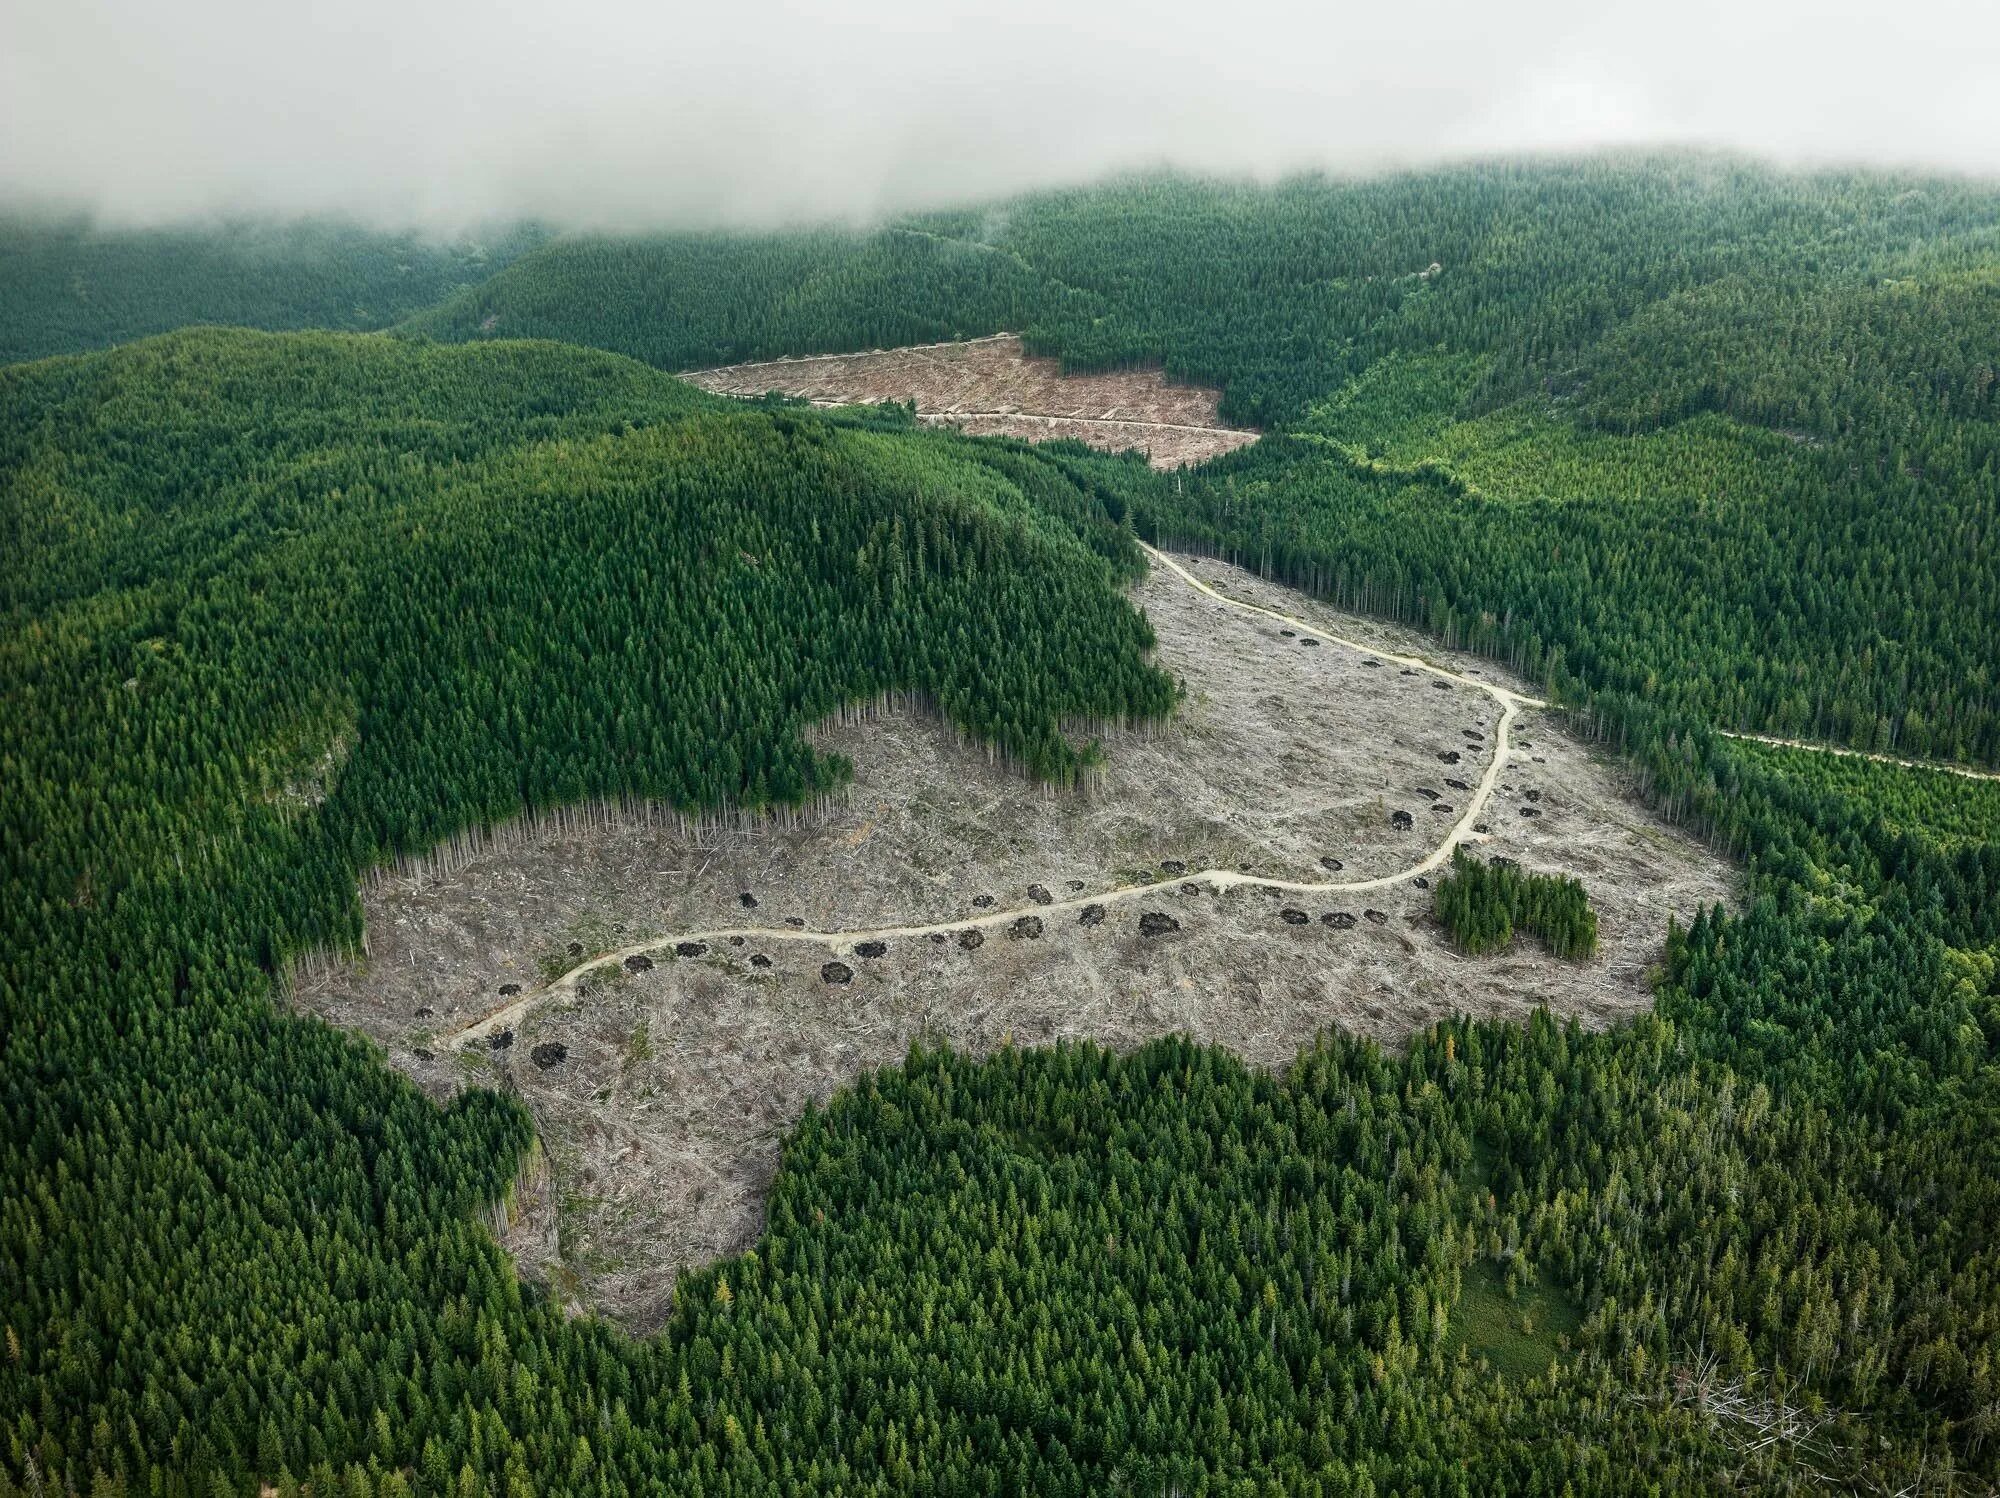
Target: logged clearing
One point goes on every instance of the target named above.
(990, 387)
(663, 1085)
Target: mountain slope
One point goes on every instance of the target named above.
(69, 286)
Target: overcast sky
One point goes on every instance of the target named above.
(446, 112)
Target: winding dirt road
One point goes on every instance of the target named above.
(1046, 419)
(1461, 831)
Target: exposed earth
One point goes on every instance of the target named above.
(991, 387)
(663, 1078)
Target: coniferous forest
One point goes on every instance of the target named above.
(72, 286)
(1483, 903)
(1696, 446)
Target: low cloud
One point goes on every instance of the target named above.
(632, 113)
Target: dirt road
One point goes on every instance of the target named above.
(1049, 419)
(1510, 703)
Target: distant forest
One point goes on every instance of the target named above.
(67, 287)
(1693, 444)
(1683, 425)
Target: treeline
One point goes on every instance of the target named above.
(1482, 903)
(1780, 593)
(67, 286)
(691, 301)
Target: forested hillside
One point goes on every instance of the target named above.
(278, 607)
(1684, 426)
(1695, 444)
(67, 286)
(690, 301)
(1281, 294)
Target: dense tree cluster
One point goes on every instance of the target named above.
(1483, 903)
(1896, 357)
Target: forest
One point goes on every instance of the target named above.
(1482, 903)
(67, 285)
(1545, 409)
(1693, 444)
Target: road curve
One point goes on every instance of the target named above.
(1461, 831)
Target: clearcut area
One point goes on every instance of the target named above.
(991, 387)
(667, 1002)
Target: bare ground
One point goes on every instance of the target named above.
(663, 1113)
(990, 387)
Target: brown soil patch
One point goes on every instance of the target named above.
(989, 387)
(663, 1114)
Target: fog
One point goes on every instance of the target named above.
(443, 113)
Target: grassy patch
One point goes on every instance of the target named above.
(640, 1047)
(1519, 1335)
(591, 933)
(1406, 410)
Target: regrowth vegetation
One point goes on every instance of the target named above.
(1949, 809)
